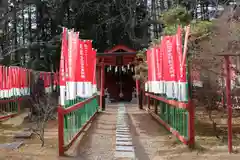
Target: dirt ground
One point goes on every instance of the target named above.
(152, 141)
(208, 146)
(206, 136)
(31, 149)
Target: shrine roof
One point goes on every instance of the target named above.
(118, 50)
(119, 47)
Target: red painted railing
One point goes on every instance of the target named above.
(89, 109)
(11, 107)
(175, 124)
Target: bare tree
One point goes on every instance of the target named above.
(43, 106)
(46, 109)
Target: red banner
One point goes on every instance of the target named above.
(5, 89)
(154, 74)
(17, 72)
(70, 56)
(161, 73)
(62, 68)
(25, 83)
(94, 71)
(1, 82)
(89, 61)
(10, 78)
(82, 77)
(82, 63)
(70, 69)
(85, 53)
(164, 66)
(14, 79)
(88, 67)
(75, 49)
(77, 66)
(157, 57)
(149, 70)
(175, 66)
(78, 76)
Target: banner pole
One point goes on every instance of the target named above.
(229, 103)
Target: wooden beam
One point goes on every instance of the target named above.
(115, 54)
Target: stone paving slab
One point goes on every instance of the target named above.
(123, 135)
(125, 148)
(122, 143)
(11, 146)
(23, 134)
(125, 155)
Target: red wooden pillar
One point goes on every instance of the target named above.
(98, 76)
(229, 103)
(98, 73)
(60, 131)
(102, 95)
(148, 102)
(222, 92)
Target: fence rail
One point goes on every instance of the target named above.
(73, 120)
(9, 108)
(173, 115)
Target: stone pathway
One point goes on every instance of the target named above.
(124, 146)
(123, 132)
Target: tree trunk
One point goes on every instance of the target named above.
(140, 99)
(15, 56)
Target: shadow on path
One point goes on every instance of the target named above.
(149, 137)
(99, 141)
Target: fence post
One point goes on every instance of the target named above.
(156, 106)
(18, 101)
(229, 103)
(102, 99)
(60, 131)
(144, 97)
(98, 74)
(148, 101)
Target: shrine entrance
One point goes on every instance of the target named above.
(118, 83)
